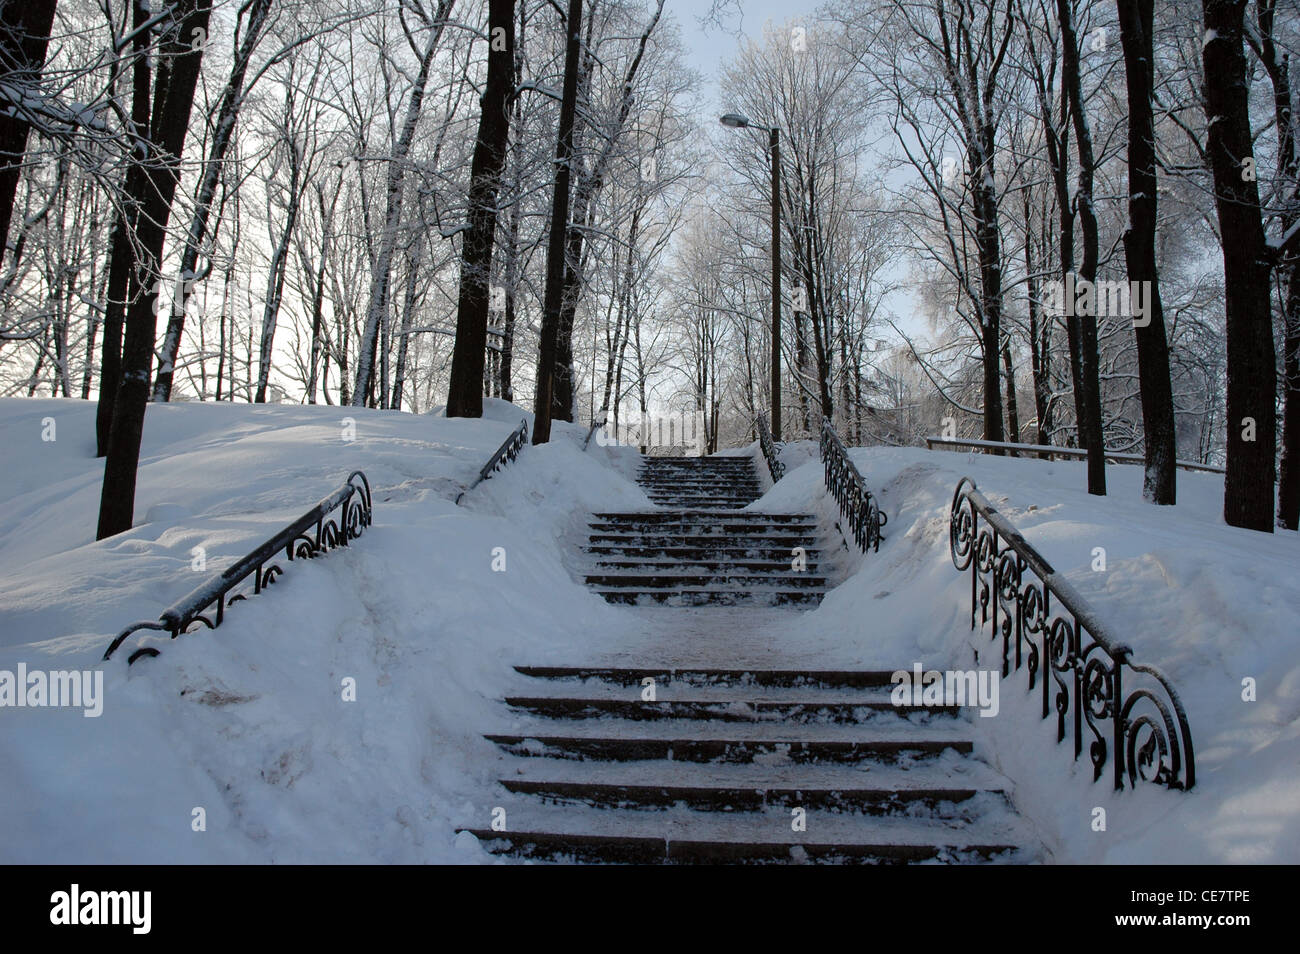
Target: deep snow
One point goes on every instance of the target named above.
(248, 722)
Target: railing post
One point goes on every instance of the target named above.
(1117, 718)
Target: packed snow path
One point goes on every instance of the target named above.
(708, 744)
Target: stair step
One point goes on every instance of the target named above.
(675, 836)
(675, 581)
(660, 516)
(699, 597)
(742, 522)
(785, 678)
(626, 849)
(732, 542)
(679, 748)
(561, 707)
(869, 801)
(754, 566)
(686, 552)
(950, 771)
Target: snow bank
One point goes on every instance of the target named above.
(1209, 605)
(248, 723)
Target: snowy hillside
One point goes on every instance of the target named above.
(1208, 604)
(248, 722)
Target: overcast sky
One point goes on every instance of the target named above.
(709, 47)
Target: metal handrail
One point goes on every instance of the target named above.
(850, 491)
(504, 454)
(774, 465)
(598, 422)
(1148, 728)
(1052, 450)
(313, 533)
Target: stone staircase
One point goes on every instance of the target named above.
(702, 548)
(734, 766)
(700, 483)
(681, 762)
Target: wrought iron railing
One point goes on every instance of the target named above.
(597, 423)
(504, 454)
(1051, 452)
(312, 534)
(860, 509)
(1128, 713)
(774, 465)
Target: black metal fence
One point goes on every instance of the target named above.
(846, 485)
(314, 533)
(774, 465)
(1125, 712)
(504, 454)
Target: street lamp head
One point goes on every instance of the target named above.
(734, 120)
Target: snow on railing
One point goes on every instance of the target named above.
(774, 465)
(846, 485)
(1128, 713)
(1051, 451)
(507, 452)
(310, 535)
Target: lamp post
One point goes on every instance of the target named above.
(737, 121)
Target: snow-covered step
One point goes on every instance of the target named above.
(702, 541)
(728, 578)
(721, 796)
(662, 516)
(718, 551)
(702, 523)
(700, 564)
(668, 691)
(624, 676)
(961, 777)
(711, 597)
(741, 744)
(735, 710)
(584, 834)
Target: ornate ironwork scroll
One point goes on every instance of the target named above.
(846, 485)
(1123, 713)
(774, 465)
(333, 522)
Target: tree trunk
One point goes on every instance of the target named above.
(24, 37)
(1013, 409)
(990, 264)
(1288, 485)
(121, 254)
(1288, 172)
(381, 274)
(1159, 484)
(151, 181)
(232, 98)
(465, 392)
(1251, 424)
(318, 291)
(1088, 387)
(275, 280)
(414, 262)
(555, 252)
